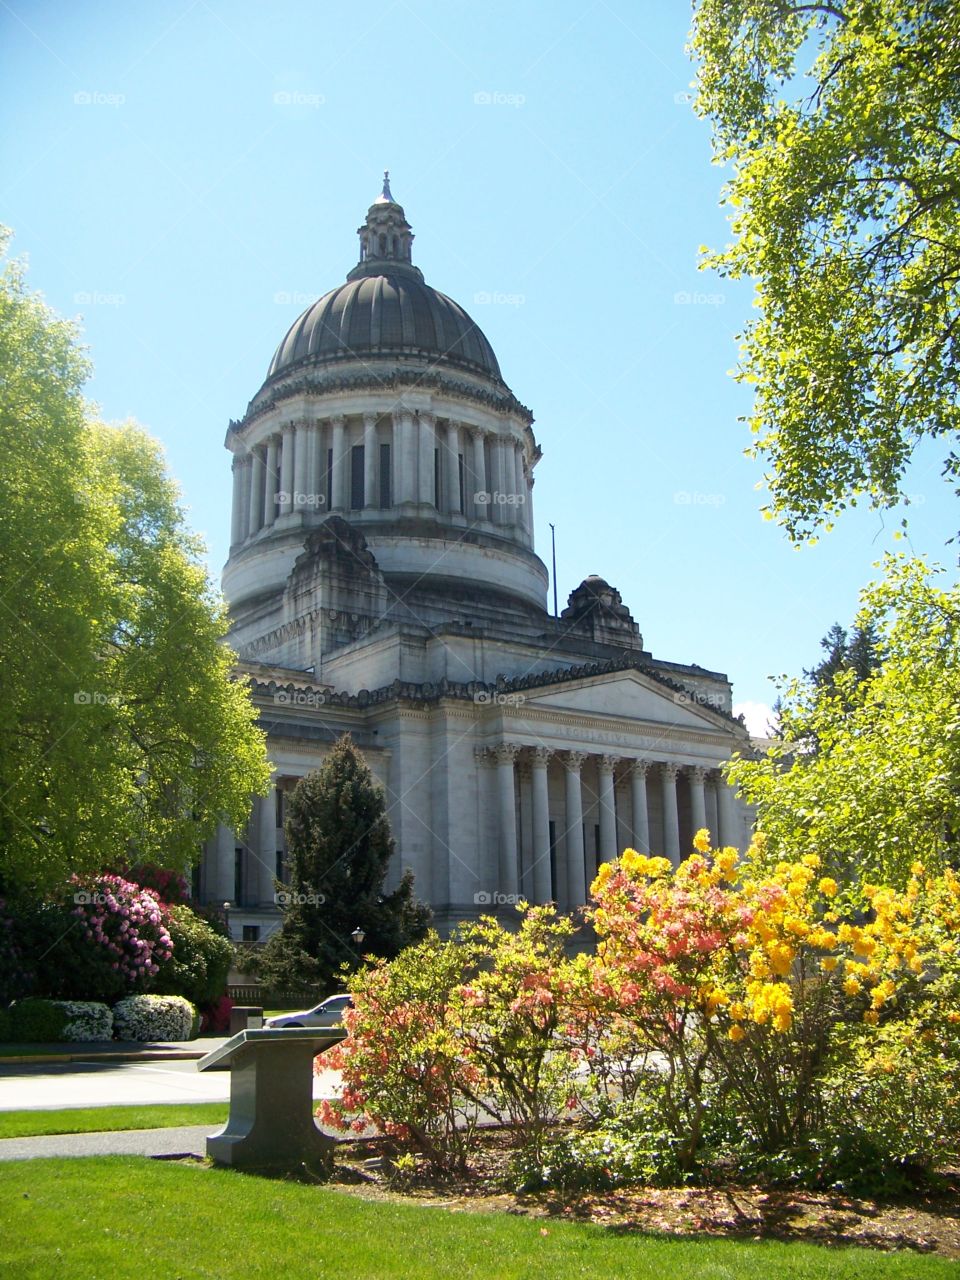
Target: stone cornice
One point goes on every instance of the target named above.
(323, 381)
(432, 692)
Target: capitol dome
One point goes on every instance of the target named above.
(384, 429)
(386, 309)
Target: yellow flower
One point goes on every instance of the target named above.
(851, 987)
(781, 957)
(811, 860)
(738, 1011)
(604, 872)
(829, 963)
(871, 1017)
(828, 887)
(736, 1033)
(701, 841)
(882, 992)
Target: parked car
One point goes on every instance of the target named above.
(328, 1013)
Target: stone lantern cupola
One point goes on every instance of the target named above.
(386, 238)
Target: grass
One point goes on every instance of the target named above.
(31, 1124)
(126, 1217)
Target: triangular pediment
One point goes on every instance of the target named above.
(627, 694)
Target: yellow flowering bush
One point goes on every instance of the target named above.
(737, 972)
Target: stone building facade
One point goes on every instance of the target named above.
(382, 580)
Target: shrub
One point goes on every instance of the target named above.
(87, 1020)
(404, 1068)
(215, 1017)
(200, 960)
(510, 1016)
(153, 1018)
(629, 1143)
(33, 1021)
(116, 944)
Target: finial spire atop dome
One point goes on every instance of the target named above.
(385, 238)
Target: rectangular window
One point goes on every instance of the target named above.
(436, 478)
(356, 478)
(385, 496)
(251, 933)
(281, 867)
(195, 881)
(278, 822)
(462, 506)
(329, 485)
(237, 875)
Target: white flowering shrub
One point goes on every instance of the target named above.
(86, 1020)
(153, 1018)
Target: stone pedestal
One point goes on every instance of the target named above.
(271, 1122)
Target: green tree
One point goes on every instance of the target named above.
(857, 651)
(123, 736)
(867, 771)
(340, 848)
(840, 120)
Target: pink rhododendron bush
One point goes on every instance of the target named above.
(737, 1017)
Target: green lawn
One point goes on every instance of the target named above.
(125, 1217)
(29, 1124)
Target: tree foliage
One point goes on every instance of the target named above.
(123, 737)
(340, 848)
(840, 120)
(867, 771)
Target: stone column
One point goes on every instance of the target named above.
(338, 443)
(271, 482)
(481, 508)
(267, 848)
(523, 498)
(286, 470)
(542, 872)
(256, 493)
(671, 819)
(246, 471)
(638, 795)
(370, 460)
(505, 755)
(495, 480)
(452, 459)
(729, 834)
(698, 804)
(236, 530)
(426, 495)
(573, 836)
(300, 467)
(312, 485)
(405, 458)
(224, 867)
(608, 810)
(516, 485)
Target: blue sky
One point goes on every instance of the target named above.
(188, 177)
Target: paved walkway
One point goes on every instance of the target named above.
(117, 1050)
(127, 1142)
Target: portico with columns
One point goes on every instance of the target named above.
(383, 581)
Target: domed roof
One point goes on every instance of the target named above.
(387, 314)
(385, 308)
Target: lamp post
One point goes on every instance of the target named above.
(357, 937)
(226, 918)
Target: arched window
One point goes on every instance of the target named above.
(396, 247)
(383, 246)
